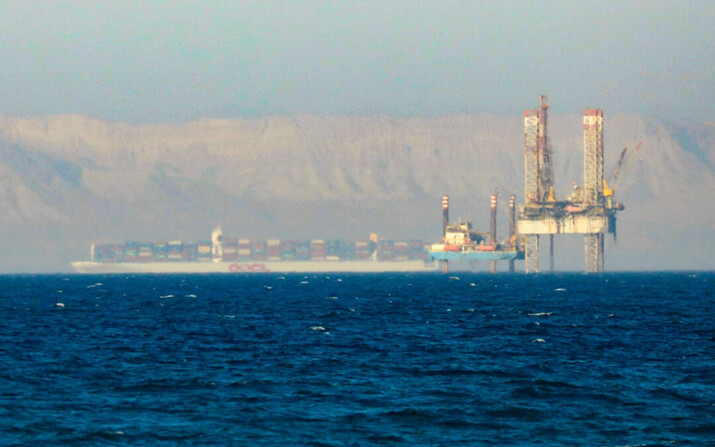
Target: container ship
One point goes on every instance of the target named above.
(233, 255)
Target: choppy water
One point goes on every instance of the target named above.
(358, 360)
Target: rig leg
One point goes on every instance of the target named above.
(445, 266)
(551, 253)
(531, 254)
(511, 266)
(492, 266)
(594, 252)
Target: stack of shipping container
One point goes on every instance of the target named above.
(131, 252)
(288, 250)
(146, 254)
(230, 249)
(385, 250)
(401, 250)
(204, 251)
(317, 249)
(175, 251)
(258, 251)
(244, 249)
(363, 250)
(272, 250)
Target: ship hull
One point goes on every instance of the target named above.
(499, 255)
(255, 267)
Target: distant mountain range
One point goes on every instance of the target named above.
(69, 180)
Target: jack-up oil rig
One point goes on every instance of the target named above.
(589, 209)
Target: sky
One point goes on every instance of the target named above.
(142, 61)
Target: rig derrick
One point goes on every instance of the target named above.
(589, 209)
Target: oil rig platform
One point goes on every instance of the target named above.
(589, 209)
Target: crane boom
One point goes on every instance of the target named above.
(621, 167)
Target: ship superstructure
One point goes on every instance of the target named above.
(460, 242)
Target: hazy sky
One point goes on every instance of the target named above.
(153, 61)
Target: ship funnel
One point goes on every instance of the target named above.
(493, 220)
(512, 216)
(445, 213)
(512, 228)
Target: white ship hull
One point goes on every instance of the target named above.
(256, 267)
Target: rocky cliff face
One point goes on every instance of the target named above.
(68, 180)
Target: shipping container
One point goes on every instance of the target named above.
(146, 253)
(386, 250)
(302, 250)
(131, 252)
(230, 249)
(401, 247)
(204, 251)
(174, 252)
(109, 253)
(244, 249)
(362, 249)
(288, 250)
(258, 250)
(273, 250)
(332, 248)
(190, 252)
(418, 250)
(345, 250)
(362, 245)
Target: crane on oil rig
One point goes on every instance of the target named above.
(610, 185)
(609, 191)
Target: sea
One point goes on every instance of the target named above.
(430, 359)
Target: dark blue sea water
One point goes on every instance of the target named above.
(358, 360)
